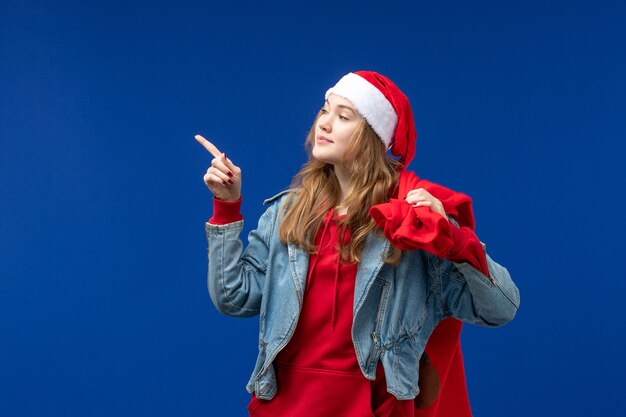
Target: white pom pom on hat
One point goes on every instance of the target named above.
(384, 106)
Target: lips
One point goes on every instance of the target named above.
(322, 139)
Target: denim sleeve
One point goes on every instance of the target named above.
(235, 277)
(470, 296)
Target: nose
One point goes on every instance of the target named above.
(324, 123)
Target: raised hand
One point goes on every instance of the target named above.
(420, 197)
(223, 177)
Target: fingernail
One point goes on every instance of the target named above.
(230, 181)
(230, 174)
(224, 182)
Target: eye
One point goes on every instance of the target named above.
(343, 118)
(323, 111)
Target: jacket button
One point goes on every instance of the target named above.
(263, 388)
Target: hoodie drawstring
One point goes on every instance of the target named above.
(319, 247)
(335, 292)
(328, 234)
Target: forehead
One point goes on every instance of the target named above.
(338, 101)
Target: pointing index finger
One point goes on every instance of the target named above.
(208, 146)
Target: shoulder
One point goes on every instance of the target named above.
(408, 181)
(411, 181)
(273, 212)
(278, 198)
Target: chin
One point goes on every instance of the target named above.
(317, 155)
(322, 158)
(323, 155)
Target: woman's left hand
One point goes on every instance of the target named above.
(420, 197)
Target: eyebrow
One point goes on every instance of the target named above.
(342, 106)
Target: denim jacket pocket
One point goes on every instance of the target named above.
(383, 298)
(380, 292)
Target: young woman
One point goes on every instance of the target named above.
(353, 268)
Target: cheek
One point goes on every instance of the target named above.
(346, 137)
(346, 133)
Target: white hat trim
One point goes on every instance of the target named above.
(370, 102)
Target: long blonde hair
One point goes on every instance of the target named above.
(374, 178)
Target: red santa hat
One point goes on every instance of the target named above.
(384, 106)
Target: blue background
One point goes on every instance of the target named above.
(103, 302)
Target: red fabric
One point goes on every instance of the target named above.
(411, 228)
(317, 372)
(444, 354)
(225, 212)
(467, 248)
(454, 400)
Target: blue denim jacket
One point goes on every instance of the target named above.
(395, 308)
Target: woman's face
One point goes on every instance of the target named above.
(334, 128)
